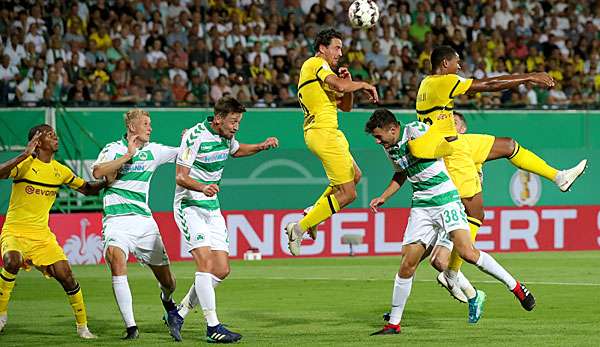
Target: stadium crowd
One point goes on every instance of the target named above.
(176, 52)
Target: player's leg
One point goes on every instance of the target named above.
(62, 272)
(12, 263)
(486, 263)
(116, 258)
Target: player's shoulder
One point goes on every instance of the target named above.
(315, 63)
(416, 125)
(60, 167)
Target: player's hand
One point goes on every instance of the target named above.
(542, 79)
(33, 144)
(345, 73)
(372, 91)
(271, 142)
(210, 190)
(131, 145)
(376, 203)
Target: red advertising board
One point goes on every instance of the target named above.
(506, 229)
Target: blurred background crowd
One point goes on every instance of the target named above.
(182, 53)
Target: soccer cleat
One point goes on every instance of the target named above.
(85, 333)
(132, 333)
(220, 334)
(294, 234)
(388, 329)
(454, 291)
(525, 297)
(174, 322)
(476, 307)
(312, 232)
(565, 178)
(3, 320)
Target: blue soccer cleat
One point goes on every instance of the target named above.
(220, 334)
(476, 307)
(174, 322)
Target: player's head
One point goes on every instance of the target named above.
(384, 127)
(461, 123)
(137, 122)
(228, 115)
(48, 140)
(328, 45)
(444, 60)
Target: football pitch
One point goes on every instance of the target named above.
(326, 302)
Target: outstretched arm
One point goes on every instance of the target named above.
(93, 187)
(6, 167)
(395, 184)
(247, 149)
(341, 85)
(494, 84)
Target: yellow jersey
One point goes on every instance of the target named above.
(318, 101)
(435, 101)
(34, 189)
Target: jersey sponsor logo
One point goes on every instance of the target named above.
(37, 191)
(212, 157)
(137, 167)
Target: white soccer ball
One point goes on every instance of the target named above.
(363, 13)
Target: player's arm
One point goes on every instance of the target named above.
(93, 187)
(345, 102)
(397, 181)
(245, 149)
(341, 85)
(498, 83)
(110, 168)
(8, 166)
(183, 179)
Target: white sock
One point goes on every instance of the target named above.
(124, 300)
(491, 267)
(401, 292)
(206, 297)
(190, 300)
(466, 286)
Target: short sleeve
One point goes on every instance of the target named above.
(107, 154)
(323, 71)
(188, 150)
(456, 85)
(18, 171)
(167, 154)
(416, 129)
(234, 146)
(70, 179)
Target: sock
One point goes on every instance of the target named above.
(166, 296)
(466, 286)
(7, 283)
(491, 267)
(124, 300)
(456, 261)
(190, 300)
(400, 295)
(431, 145)
(206, 297)
(76, 300)
(529, 161)
(326, 206)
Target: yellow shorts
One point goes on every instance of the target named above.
(481, 145)
(462, 169)
(332, 148)
(35, 252)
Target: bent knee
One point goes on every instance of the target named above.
(222, 273)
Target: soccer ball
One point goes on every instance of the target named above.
(363, 13)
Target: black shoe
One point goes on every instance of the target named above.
(132, 333)
(220, 334)
(524, 296)
(174, 322)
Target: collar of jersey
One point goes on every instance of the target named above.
(208, 127)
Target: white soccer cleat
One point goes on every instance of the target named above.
(294, 234)
(453, 290)
(3, 320)
(565, 178)
(312, 232)
(85, 333)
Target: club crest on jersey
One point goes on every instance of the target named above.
(143, 155)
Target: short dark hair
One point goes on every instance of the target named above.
(381, 118)
(35, 129)
(461, 116)
(325, 36)
(227, 105)
(439, 54)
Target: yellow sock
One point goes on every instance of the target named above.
(76, 300)
(431, 145)
(455, 261)
(529, 161)
(323, 209)
(327, 191)
(7, 283)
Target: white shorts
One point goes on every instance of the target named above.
(433, 225)
(137, 235)
(202, 228)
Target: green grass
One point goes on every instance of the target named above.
(327, 302)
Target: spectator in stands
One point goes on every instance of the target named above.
(31, 89)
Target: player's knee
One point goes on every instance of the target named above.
(222, 273)
(407, 269)
(12, 262)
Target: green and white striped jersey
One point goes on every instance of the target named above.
(204, 152)
(430, 180)
(129, 193)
